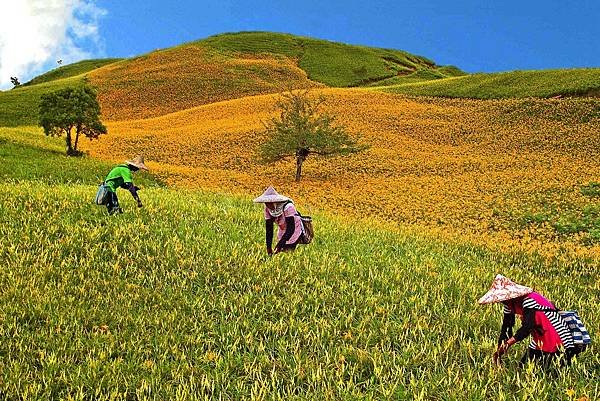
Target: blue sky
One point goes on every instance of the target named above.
(477, 35)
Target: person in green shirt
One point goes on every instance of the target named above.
(121, 176)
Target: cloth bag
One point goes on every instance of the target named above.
(309, 232)
(101, 195)
(581, 337)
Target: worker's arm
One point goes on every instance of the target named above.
(506, 332)
(527, 326)
(523, 332)
(269, 235)
(133, 189)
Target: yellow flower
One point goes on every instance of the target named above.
(211, 356)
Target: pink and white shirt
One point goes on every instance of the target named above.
(289, 210)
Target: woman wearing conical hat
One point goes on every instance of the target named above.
(281, 210)
(540, 320)
(121, 177)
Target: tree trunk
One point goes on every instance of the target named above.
(77, 132)
(299, 162)
(301, 155)
(69, 146)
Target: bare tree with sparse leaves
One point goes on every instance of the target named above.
(302, 129)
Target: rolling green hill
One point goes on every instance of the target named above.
(235, 65)
(218, 68)
(71, 70)
(514, 84)
(19, 106)
(330, 63)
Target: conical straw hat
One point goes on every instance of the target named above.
(270, 195)
(503, 289)
(138, 162)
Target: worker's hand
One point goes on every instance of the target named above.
(497, 358)
(139, 202)
(503, 349)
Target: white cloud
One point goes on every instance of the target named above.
(34, 34)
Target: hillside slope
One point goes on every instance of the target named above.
(231, 66)
(186, 76)
(179, 301)
(331, 63)
(221, 67)
(458, 166)
(19, 106)
(71, 70)
(28, 155)
(514, 84)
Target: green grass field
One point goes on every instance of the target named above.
(179, 301)
(19, 106)
(515, 84)
(71, 70)
(28, 154)
(331, 63)
(420, 75)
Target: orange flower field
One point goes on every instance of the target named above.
(503, 173)
(178, 78)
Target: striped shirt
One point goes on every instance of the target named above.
(549, 331)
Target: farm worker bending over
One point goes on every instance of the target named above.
(539, 318)
(281, 210)
(122, 176)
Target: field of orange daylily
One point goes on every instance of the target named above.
(503, 172)
(188, 76)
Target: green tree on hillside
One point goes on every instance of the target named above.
(70, 109)
(15, 81)
(303, 129)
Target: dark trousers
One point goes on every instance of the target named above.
(291, 247)
(545, 359)
(112, 204)
(288, 247)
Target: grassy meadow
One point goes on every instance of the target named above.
(28, 155)
(513, 84)
(331, 63)
(71, 70)
(19, 106)
(178, 301)
(465, 177)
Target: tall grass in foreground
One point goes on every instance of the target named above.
(179, 301)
